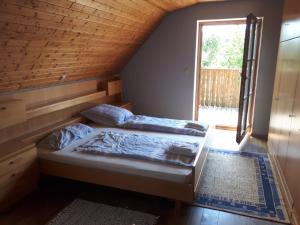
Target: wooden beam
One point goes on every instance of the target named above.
(64, 104)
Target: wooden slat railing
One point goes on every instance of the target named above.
(220, 88)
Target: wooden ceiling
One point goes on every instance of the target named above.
(52, 41)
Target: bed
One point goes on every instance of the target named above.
(169, 181)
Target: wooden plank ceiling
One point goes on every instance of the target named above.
(52, 41)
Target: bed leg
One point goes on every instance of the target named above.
(178, 205)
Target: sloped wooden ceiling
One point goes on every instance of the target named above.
(52, 41)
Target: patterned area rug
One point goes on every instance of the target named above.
(242, 183)
(82, 212)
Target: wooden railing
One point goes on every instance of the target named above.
(219, 88)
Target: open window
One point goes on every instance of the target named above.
(248, 76)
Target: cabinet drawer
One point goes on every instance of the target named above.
(13, 110)
(19, 161)
(17, 184)
(16, 174)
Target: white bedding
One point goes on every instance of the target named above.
(128, 166)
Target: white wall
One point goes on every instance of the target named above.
(159, 79)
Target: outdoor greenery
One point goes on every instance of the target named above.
(221, 50)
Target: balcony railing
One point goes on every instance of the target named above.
(220, 88)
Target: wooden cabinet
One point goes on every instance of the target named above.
(284, 135)
(286, 93)
(291, 20)
(292, 168)
(284, 132)
(18, 172)
(274, 129)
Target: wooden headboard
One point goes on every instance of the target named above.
(29, 114)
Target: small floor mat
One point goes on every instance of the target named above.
(82, 212)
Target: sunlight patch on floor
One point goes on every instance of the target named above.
(220, 116)
(225, 140)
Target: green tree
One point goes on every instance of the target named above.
(210, 50)
(234, 52)
(221, 51)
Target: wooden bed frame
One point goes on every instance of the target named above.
(182, 192)
(28, 121)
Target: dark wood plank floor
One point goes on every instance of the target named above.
(55, 193)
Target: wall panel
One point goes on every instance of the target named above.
(39, 97)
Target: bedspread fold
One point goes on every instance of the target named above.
(165, 125)
(136, 146)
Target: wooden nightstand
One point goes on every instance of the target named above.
(18, 171)
(125, 105)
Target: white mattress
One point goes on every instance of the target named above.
(127, 166)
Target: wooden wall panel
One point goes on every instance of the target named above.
(35, 98)
(45, 42)
(53, 93)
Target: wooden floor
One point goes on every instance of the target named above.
(55, 193)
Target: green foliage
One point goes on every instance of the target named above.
(221, 51)
(234, 52)
(210, 49)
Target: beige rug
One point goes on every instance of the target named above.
(82, 212)
(242, 183)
